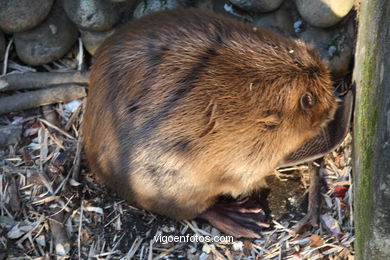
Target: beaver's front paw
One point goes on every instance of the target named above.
(244, 218)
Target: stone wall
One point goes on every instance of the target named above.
(46, 30)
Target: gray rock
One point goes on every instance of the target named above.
(332, 46)
(257, 5)
(226, 8)
(92, 15)
(92, 40)
(204, 4)
(126, 13)
(149, 6)
(323, 13)
(10, 134)
(340, 58)
(2, 45)
(47, 42)
(22, 15)
(279, 21)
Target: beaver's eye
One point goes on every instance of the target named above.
(307, 100)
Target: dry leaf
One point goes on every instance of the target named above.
(340, 191)
(316, 241)
(19, 230)
(297, 256)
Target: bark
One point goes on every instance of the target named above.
(372, 131)
(37, 80)
(37, 98)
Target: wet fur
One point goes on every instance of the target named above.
(187, 105)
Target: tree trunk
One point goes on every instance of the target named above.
(372, 131)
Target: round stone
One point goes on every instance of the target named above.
(47, 42)
(92, 40)
(93, 15)
(333, 46)
(22, 15)
(257, 5)
(149, 6)
(204, 4)
(279, 21)
(323, 13)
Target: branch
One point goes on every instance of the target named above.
(37, 98)
(37, 80)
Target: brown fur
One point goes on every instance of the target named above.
(187, 105)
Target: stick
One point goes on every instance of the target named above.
(314, 201)
(77, 159)
(37, 80)
(5, 63)
(37, 98)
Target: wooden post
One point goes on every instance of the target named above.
(372, 131)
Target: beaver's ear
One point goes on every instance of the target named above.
(307, 100)
(270, 119)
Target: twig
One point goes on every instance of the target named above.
(63, 207)
(5, 64)
(91, 251)
(37, 98)
(72, 118)
(150, 255)
(195, 228)
(50, 114)
(36, 225)
(43, 150)
(37, 80)
(80, 55)
(17, 68)
(77, 160)
(52, 137)
(80, 228)
(166, 252)
(314, 201)
(56, 128)
(133, 249)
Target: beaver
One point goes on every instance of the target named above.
(186, 105)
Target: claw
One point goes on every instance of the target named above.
(244, 218)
